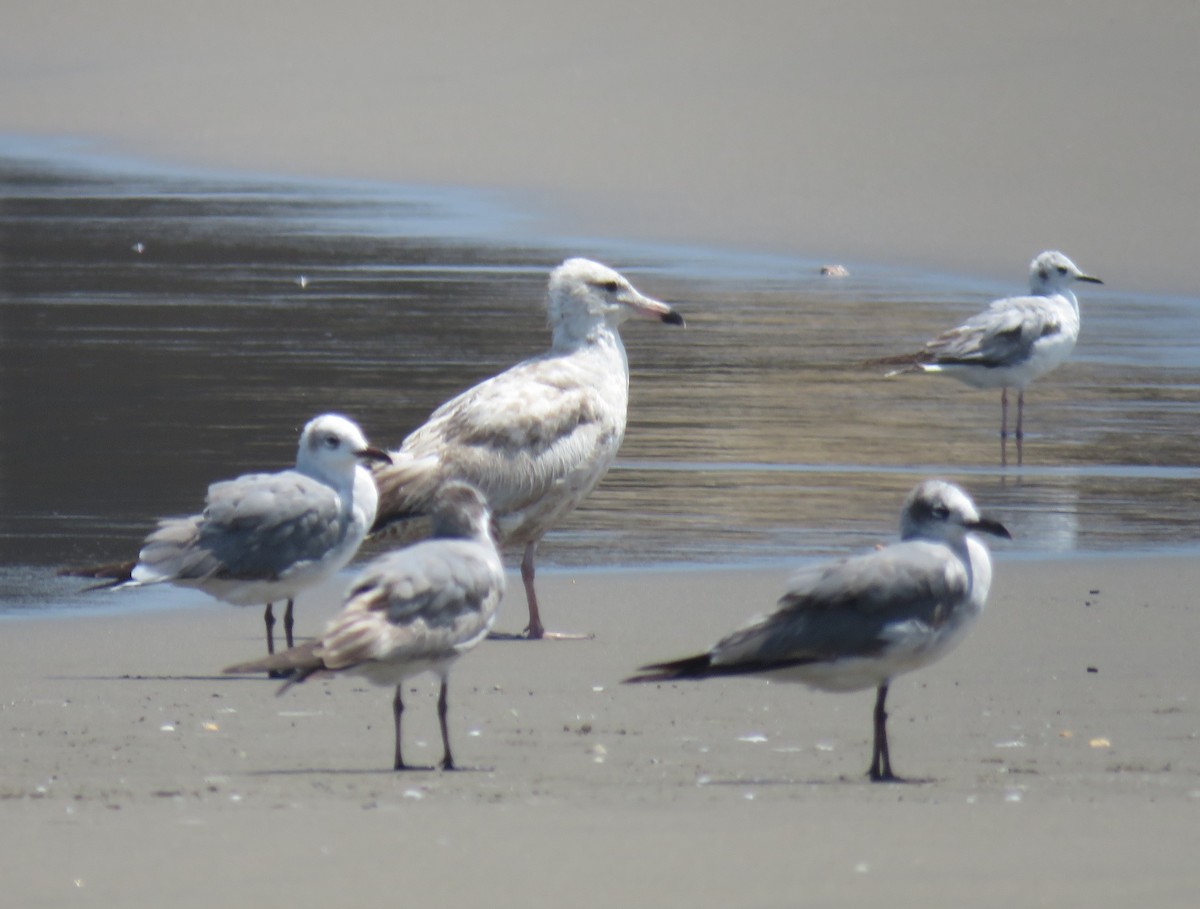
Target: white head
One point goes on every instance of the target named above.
(583, 295)
(332, 446)
(1052, 272)
(937, 510)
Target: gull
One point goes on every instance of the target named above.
(264, 537)
(1014, 340)
(537, 438)
(411, 611)
(858, 623)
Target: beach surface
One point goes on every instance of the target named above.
(1054, 757)
(954, 137)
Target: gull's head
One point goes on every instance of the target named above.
(937, 510)
(584, 295)
(461, 511)
(332, 445)
(1052, 271)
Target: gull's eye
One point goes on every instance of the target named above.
(1062, 269)
(611, 286)
(332, 441)
(941, 512)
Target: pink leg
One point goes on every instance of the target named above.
(535, 629)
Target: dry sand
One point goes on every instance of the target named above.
(945, 134)
(133, 775)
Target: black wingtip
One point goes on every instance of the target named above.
(696, 667)
(673, 318)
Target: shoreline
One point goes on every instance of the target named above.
(842, 133)
(136, 773)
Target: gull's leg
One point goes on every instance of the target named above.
(269, 621)
(1004, 427)
(443, 709)
(287, 623)
(880, 770)
(1020, 427)
(535, 630)
(397, 710)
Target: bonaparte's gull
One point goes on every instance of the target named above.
(1014, 340)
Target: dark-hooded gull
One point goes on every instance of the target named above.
(411, 611)
(858, 623)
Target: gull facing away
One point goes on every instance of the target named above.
(264, 537)
(411, 611)
(858, 623)
(537, 438)
(1013, 341)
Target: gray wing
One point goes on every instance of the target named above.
(842, 609)
(253, 528)
(1001, 335)
(423, 602)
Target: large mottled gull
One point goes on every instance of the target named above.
(858, 623)
(264, 537)
(1014, 340)
(537, 438)
(411, 611)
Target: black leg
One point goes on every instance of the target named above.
(287, 623)
(397, 710)
(443, 709)
(1020, 427)
(881, 765)
(269, 621)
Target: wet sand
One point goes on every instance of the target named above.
(959, 138)
(1056, 754)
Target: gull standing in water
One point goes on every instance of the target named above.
(1013, 341)
(264, 537)
(411, 611)
(859, 623)
(537, 438)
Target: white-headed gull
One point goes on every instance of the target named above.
(537, 438)
(263, 537)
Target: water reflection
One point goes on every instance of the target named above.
(163, 331)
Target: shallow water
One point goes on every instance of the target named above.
(163, 330)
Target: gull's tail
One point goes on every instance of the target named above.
(407, 488)
(904, 363)
(302, 662)
(694, 667)
(111, 574)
